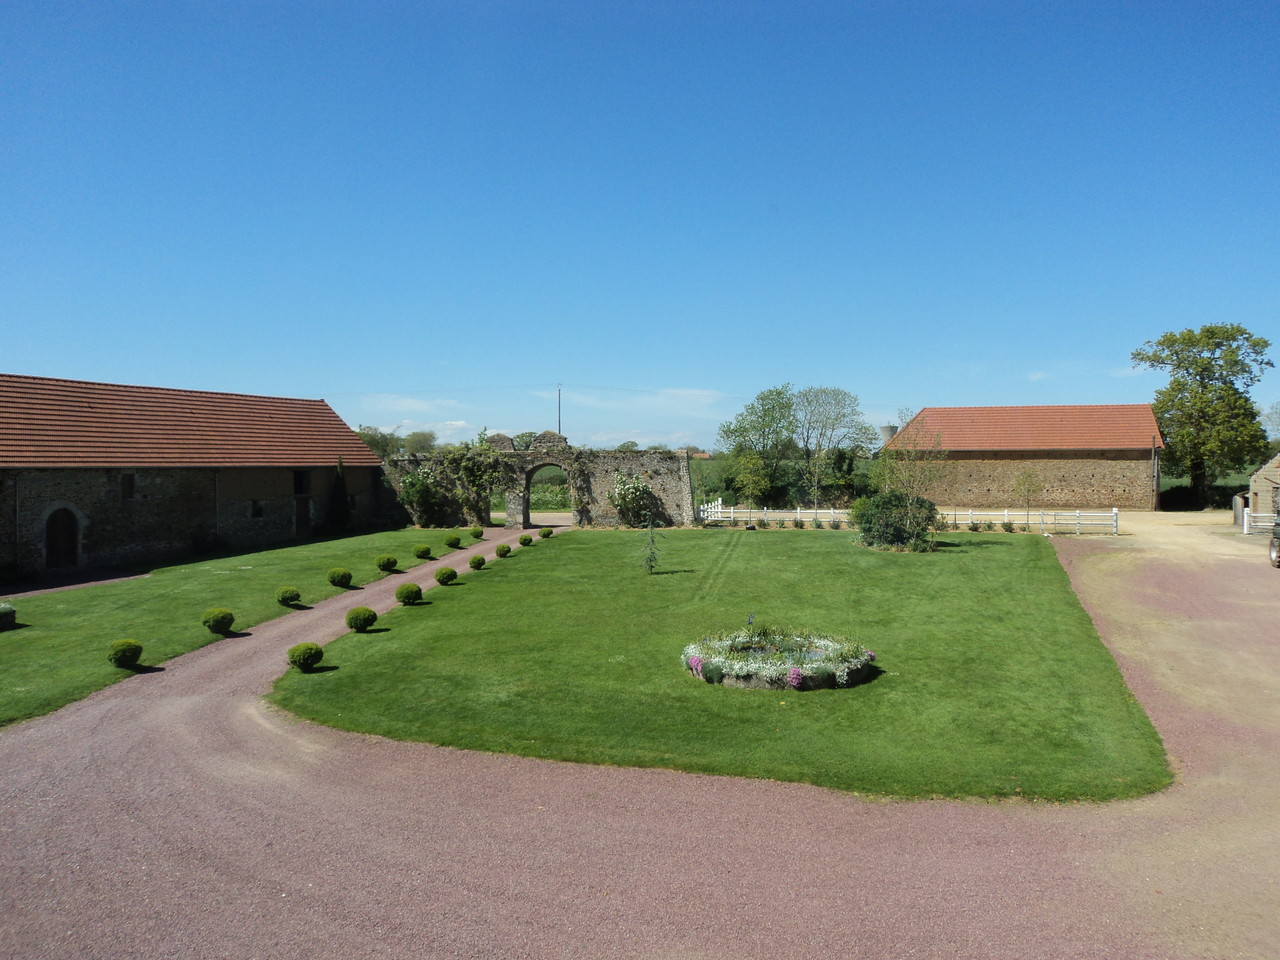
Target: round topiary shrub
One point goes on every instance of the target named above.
(288, 595)
(477, 533)
(8, 616)
(476, 562)
(361, 619)
(446, 576)
(422, 551)
(502, 550)
(340, 577)
(386, 563)
(525, 540)
(545, 532)
(304, 656)
(218, 620)
(408, 593)
(125, 654)
(453, 541)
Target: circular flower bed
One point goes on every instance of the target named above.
(771, 658)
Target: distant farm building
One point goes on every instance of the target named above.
(100, 474)
(1082, 456)
(1264, 484)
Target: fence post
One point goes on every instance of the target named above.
(1248, 515)
(1115, 520)
(1077, 521)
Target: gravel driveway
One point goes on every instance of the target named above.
(176, 815)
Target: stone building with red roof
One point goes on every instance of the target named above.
(103, 474)
(1097, 456)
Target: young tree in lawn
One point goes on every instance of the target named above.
(1210, 425)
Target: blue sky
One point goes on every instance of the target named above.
(431, 214)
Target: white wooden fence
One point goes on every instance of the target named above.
(1042, 521)
(1257, 522)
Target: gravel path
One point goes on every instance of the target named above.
(176, 815)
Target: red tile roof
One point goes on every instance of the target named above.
(45, 422)
(1130, 426)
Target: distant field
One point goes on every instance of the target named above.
(993, 680)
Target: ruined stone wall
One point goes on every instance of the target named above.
(1078, 480)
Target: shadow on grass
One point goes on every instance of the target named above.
(670, 573)
(375, 630)
(323, 668)
(968, 545)
(16, 625)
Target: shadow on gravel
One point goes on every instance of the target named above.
(296, 606)
(235, 635)
(141, 668)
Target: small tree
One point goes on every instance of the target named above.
(1027, 486)
(651, 552)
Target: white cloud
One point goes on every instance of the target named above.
(1038, 376)
(393, 403)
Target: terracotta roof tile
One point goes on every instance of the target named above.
(1098, 427)
(47, 422)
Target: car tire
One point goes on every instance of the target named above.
(1275, 552)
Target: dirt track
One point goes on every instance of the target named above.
(174, 815)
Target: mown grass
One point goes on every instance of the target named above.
(994, 682)
(60, 653)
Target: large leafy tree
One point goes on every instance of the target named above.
(828, 419)
(1210, 425)
(761, 439)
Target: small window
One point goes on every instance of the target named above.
(128, 486)
(255, 509)
(301, 482)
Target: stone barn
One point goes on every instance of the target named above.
(1264, 484)
(1082, 457)
(96, 474)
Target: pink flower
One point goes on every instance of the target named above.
(695, 664)
(794, 678)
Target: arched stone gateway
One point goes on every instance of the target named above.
(592, 475)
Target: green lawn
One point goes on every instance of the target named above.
(994, 682)
(60, 655)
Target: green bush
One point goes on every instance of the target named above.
(305, 656)
(8, 616)
(361, 619)
(545, 532)
(125, 654)
(386, 563)
(1007, 526)
(798, 523)
(408, 593)
(218, 620)
(502, 550)
(476, 562)
(422, 551)
(446, 576)
(762, 523)
(893, 519)
(453, 541)
(286, 596)
(835, 524)
(525, 540)
(340, 577)
(975, 527)
(817, 524)
(477, 533)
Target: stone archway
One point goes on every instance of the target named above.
(591, 476)
(61, 539)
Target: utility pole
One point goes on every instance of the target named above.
(558, 430)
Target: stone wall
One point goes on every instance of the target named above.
(1076, 480)
(128, 516)
(592, 474)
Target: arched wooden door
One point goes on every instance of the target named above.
(61, 539)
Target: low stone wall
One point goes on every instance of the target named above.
(1100, 481)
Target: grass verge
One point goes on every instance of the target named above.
(993, 684)
(60, 653)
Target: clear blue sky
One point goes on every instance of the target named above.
(432, 214)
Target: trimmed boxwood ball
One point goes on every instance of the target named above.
(218, 620)
(8, 616)
(446, 576)
(422, 551)
(288, 595)
(525, 540)
(453, 541)
(408, 593)
(545, 532)
(386, 563)
(361, 619)
(340, 577)
(304, 656)
(476, 562)
(502, 550)
(477, 533)
(125, 654)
